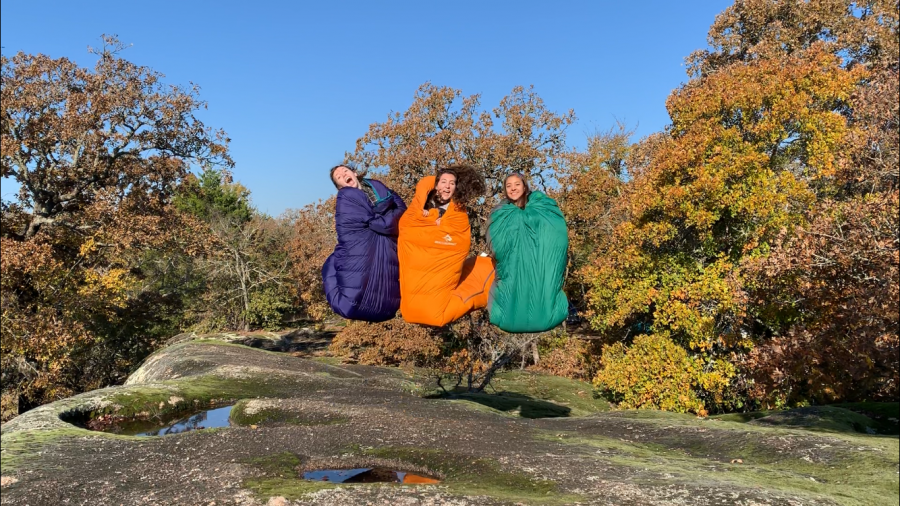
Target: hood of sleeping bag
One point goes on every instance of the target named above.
(530, 247)
(437, 285)
(361, 278)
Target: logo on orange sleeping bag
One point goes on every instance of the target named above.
(446, 241)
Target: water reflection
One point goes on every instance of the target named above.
(368, 475)
(204, 420)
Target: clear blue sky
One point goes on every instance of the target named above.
(294, 84)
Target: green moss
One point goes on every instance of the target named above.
(873, 409)
(480, 476)
(658, 416)
(289, 488)
(22, 449)
(535, 395)
(278, 477)
(141, 402)
(219, 342)
(516, 405)
(863, 472)
(885, 416)
(274, 416)
(335, 361)
(740, 417)
(863, 418)
(178, 395)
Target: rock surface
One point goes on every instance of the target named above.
(294, 414)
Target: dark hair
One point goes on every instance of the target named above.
(521, 201)
(469, 183)
(349, 165)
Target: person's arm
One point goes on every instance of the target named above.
(386, 217)
(351, 212)
(422, 189)
(487, 235)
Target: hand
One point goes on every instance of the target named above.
(385, 206)
(424, 213)
(438, 222)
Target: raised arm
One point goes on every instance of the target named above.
(351, 213)
(422, 189)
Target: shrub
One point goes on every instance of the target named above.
(653, 373)
(393, 342)
(568, 357)
(267, 308)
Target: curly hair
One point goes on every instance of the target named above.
(469, 181)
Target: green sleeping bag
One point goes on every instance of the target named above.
(529, 247)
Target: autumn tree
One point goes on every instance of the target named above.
(441, 127)
(775, 140)
(313, 241)
(98, 154)
(860, 32)
(593, 193)
(243, 274)
(826, 296)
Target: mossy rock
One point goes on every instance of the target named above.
(528, 394)
(260, 412)
(862, 418)
(292, 412)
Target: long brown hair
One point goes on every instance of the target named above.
(521, 201)
(469, 183)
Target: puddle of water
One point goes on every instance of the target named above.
(209, 419)
(367, 475)
(174, 423)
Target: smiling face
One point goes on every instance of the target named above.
(446, 187)
(345, 178)
(515, 188)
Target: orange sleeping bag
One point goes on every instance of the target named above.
(437, 284)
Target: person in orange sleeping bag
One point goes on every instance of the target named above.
(437, 283)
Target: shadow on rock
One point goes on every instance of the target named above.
(513, 403)
(304, 341)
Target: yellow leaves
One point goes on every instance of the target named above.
(653, 372)
(109, 288)
(87, 247)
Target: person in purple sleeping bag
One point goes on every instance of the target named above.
(362, 276)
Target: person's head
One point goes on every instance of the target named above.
(343, 176)
(445, 186)
(516, 189)
(459, 182)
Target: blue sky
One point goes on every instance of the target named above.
(294, 84)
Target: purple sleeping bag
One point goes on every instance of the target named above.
(362, 276)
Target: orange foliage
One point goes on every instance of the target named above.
(831, 295)
(393, 342)
(441, 127)
(569, 357)
(98, 155)
(314, 239)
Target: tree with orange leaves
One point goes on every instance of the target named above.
(762, 221)
(441, 127)
(98, 154)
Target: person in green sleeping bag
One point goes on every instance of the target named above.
(528, 238)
